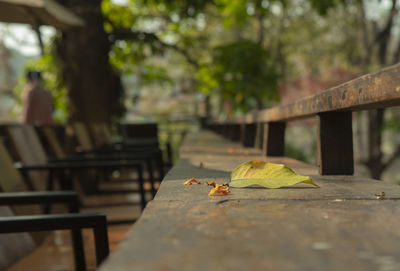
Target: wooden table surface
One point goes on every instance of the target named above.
(339, 226)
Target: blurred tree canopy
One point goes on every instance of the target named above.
(243, 73)
(234, 51)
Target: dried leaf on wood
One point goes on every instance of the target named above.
(270, 175)
(380, 195)
(219, 189)
(191, 181)
(212, 183)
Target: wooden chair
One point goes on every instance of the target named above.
(14, 220)
(118, 208)
(140, 133)
(103, 145)
(115, 187)
(59, 132)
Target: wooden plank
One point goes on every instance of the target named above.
(82, 135)
(335, 143)
(371, 91)
(30, 151)
(303, 235)
(377, 90)
(274, 139)
(340, 226)
(14, 246)
(211, 144)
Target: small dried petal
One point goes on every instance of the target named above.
(212, 183)
(191, 181)
(380, 196)
(219, 189)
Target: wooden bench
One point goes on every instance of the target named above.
(346, 224)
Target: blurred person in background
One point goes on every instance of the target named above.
(37, 103)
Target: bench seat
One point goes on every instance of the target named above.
(342, 225)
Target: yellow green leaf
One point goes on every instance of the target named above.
(266, 174)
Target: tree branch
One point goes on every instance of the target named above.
(383, 36)
(396, 56)
(365, 35)
(129, 34)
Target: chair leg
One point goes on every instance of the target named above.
(160, 166)
(141, 187)
(101, 241)
(151, 176)
(50, 187)
(79, 255)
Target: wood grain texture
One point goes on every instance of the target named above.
(371, 91)
(339, 226)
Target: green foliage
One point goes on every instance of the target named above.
(117, 15)
(243, 72)
(392, 120)
(51, 80)
(239, 11)
(295, 153)
(182, 8)
(322, 6)
(153, 74)
(220, 37)
(233, 11)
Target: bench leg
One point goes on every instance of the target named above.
(335, 143)
(249, 135)
(274, 139)
(234, 132)
(141, 187)
(259, 141)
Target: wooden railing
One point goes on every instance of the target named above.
(333, 108)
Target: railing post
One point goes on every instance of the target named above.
(220, 129)
(225, 130)
(249, 134)
(259, 141)
(274, 139)
(234, 132)
(335, 143)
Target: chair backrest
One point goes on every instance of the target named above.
(13, 246)
(11, 181)
(139, 130)
(106, 132)
(101, 134)
(50, 136)
(30, 151)
(87, 176)
(82, 135)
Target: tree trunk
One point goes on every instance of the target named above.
(94, 88)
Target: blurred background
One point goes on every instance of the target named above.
(175, 62)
